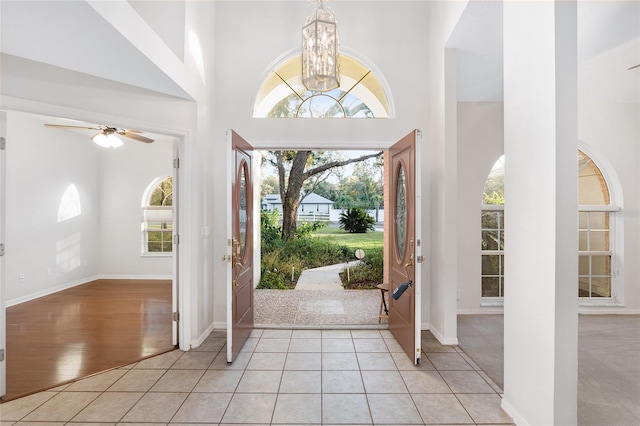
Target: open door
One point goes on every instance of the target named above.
(405, 246)
(176, 241)
(240, 272)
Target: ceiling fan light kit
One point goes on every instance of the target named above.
(108, 137)
(107, 140)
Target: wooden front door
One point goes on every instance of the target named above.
(405, 245)
(240, 285)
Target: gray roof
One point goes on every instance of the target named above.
(312, 198)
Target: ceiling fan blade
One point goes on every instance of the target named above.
(140, 138)
(635, 66)
(72, 127)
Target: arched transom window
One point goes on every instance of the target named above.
(595, 231)
(360, 95)
(157, 223)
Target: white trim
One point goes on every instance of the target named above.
(482, 311)
(600, 208)
(441, 338)
(202, 337)
(492, 207)
(518, 419)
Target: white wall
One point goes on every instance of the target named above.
(124, 175)
(41, 164)
(480, 144)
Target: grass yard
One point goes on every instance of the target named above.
(369, 242)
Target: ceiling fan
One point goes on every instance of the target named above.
(108, 136)
(633, 67)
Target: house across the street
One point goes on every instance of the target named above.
(313, 206)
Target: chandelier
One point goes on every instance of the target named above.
(320, 67)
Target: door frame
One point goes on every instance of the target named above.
(3, 296)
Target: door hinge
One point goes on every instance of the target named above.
(1, 355)
(176, 239)
(176, 316)
(1, 249)
(3, 144)
(420, 259)
(176, 163)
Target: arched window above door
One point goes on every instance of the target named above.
(361, 93)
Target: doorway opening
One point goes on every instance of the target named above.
(327, 274)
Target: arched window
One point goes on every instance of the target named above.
(157, 212)
(360, 95)
(595, 233)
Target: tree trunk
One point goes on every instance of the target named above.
(291, 199)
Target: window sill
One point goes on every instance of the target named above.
(492, 303)
(156, 255)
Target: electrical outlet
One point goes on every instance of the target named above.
(21, 278)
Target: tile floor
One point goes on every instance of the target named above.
(282, 376)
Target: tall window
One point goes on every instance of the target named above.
(157, 225)
(492, 224)
(595, 230)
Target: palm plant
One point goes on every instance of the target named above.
(356, 220)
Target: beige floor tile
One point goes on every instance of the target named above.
(342, 382)
(370, 345)
(466, 382)
(383, 382)
(306, 334)
(272, 345)
(337, 345)
(298, 409)
(108, 407)
(345, 409)
(62, 407)
(441, 409)
(194, 361)
(240, 363)
(376, 361)
(97, 383)
(277, 334)
(448, 361)
(305, 345)
(18, 408)
(259, 382)
(432, 345)
(178, 381)
(267, 361)
(424, 382)
(155, 407)
(219, 381)
(393, 409)
(484, 408)
(301, 382)
(256, 332)
(137, 380)
(336, 334)
(212, 344)
(203, 408)
(41, 423)
(303, 361)
(249, 345)
(262, 406)
(366, 334)
(393, 345)
(403, 362)
(162, 361)
(339, 361)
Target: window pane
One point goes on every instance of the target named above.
(599, 240)
(583, 265)
(490, 287)
(501, 286)
(489, 240)
(154, 247)
(599, 220)
(601, 265)
(489, 220)
(583, 287)
(490, 265)
(583, 239)
(166, 247)
(601, 287)
(502, 264)
(583, 220)
(154, 236)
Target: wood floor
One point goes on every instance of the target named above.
(85, 330)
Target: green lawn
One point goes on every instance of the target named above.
(369, 242)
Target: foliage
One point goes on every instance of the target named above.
(494, 190)
(366, 274)
(356, 220)
(269, 185)
(305, 229)
(162, 194)
(270, 230)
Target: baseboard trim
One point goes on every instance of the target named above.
(515, 414)
(197, 342)
(135, 277)
(481, 311)
(443, 341)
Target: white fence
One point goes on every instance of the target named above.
(334, 216)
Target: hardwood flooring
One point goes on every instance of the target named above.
(84, 330)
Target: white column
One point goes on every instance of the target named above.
(540, 114)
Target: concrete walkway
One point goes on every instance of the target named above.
(323, 278)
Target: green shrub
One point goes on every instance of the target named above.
(356, 220)
(367, 273)
(275, 270)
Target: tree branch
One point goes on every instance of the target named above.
(333, 164)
